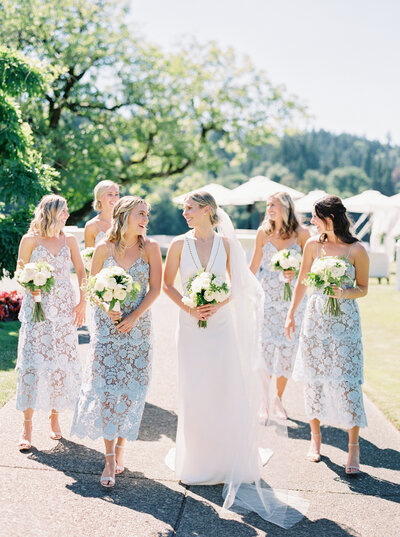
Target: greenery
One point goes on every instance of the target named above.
(120, 108)
(8, 356)
(24, 178)
(380, 317)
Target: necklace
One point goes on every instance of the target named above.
(130, 245)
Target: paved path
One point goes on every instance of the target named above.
(54, 489)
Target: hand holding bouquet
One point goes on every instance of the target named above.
(328, 271)
(87, 256)
(205, 288)
(283, 260)
(111, 287)
(36, 277)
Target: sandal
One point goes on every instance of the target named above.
(118, 469)
(55, 435)
(24, 445)
(312, 455)
(279, 409)
(352, 469)
(107, 481)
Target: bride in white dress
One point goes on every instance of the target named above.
(220, 380)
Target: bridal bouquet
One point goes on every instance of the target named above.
(111, 287)
(36, 277)
(286, 259)
(87, 256)
(205, 288)
(328, 271)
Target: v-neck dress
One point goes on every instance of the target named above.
(279, 352)
(48, 360)
(117, 374)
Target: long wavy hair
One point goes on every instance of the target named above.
(290, 222)
(119, 224)
(99, 190)
(332, 207)
(46, 220)
(203, 198)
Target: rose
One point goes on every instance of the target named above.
(188, 302)
(120, 293)
(110, 283)
(285, 263)
(99, 285)
(39, 279)
(108, 296)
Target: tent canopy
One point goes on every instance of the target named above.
(260, 188)
(220, 193)
(367, 202)
(306, 203)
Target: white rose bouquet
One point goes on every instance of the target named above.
(328, 271)
(87, 256)
(111, 287)
(36, 277)
(205, 288)
(286, 259)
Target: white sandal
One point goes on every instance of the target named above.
(106, 481)
(55, 435)
(119, 469)
(24, 445)
(349, 467)
(314, 456)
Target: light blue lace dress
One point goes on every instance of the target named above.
(330, 362)
(279, 352)
(48, 360)
(117, 376)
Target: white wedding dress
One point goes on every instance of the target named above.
(221, 371)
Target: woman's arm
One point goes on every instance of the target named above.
(300, 289)
(257, 252)
(90, 234)
(80, 309)
(303, 236)
(26, 247)
(155, 263)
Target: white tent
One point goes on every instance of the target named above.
(221, 194)
(259, 188)
(306, 203)
(368, 201)
(395, 200)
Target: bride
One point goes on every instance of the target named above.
(220, 368)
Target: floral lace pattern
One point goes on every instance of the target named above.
(117, 376)
(330, 362)
(279, 352)
(48, 361)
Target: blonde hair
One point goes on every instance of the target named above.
(203, 198)
(99, 190)
(290, 222)
(119, 225)
(46, 220)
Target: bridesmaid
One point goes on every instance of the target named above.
(48, 362)
(106, 195)
(330, 358)
(279, 230)
(114, 389)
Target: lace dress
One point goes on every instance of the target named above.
(48, 359)
(330, 362)
(117, 376)
(279, 352)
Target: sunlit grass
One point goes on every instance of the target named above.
(8, 357)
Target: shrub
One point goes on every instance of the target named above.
(10, 304)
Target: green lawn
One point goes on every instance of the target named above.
(8, 356)
(380, 317)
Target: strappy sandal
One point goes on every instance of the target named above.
(55, 435)
(350, 469)
(118, 469)
(107, 481)
(314, 456)
(24, 445)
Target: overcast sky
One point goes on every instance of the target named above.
(340, 57)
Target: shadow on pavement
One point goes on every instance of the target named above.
(157, 422)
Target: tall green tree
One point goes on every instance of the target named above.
(121, 108)
(24, 178)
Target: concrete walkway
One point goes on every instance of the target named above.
(54, 489)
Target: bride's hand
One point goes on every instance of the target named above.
(208, 310)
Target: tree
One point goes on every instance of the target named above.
(120, 108)
(347, 181)
(24, 179)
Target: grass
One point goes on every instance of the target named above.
(8, 357)
(380, 317)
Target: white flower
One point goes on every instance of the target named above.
(218, 281)
(188, 302)
(39, 279)
(108, 296)
(26, 275)
(117, 271)
(99, 285)
(110, 283)
(119, 293)
(209, 295)
(197, 285)
(285, 263)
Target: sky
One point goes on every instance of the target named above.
(340, 57)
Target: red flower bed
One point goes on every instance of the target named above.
(10, 304)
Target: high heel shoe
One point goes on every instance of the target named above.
(107, 481)
(118, 469)
(353, 469)
(24, 445)
(55, 435)
(278, 409)
(313, 455)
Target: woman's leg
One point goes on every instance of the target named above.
(55, 425)
(280, 386)
(353, 460)
(25, 440)
(119, 455)
(314, 453)
(108, 475)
